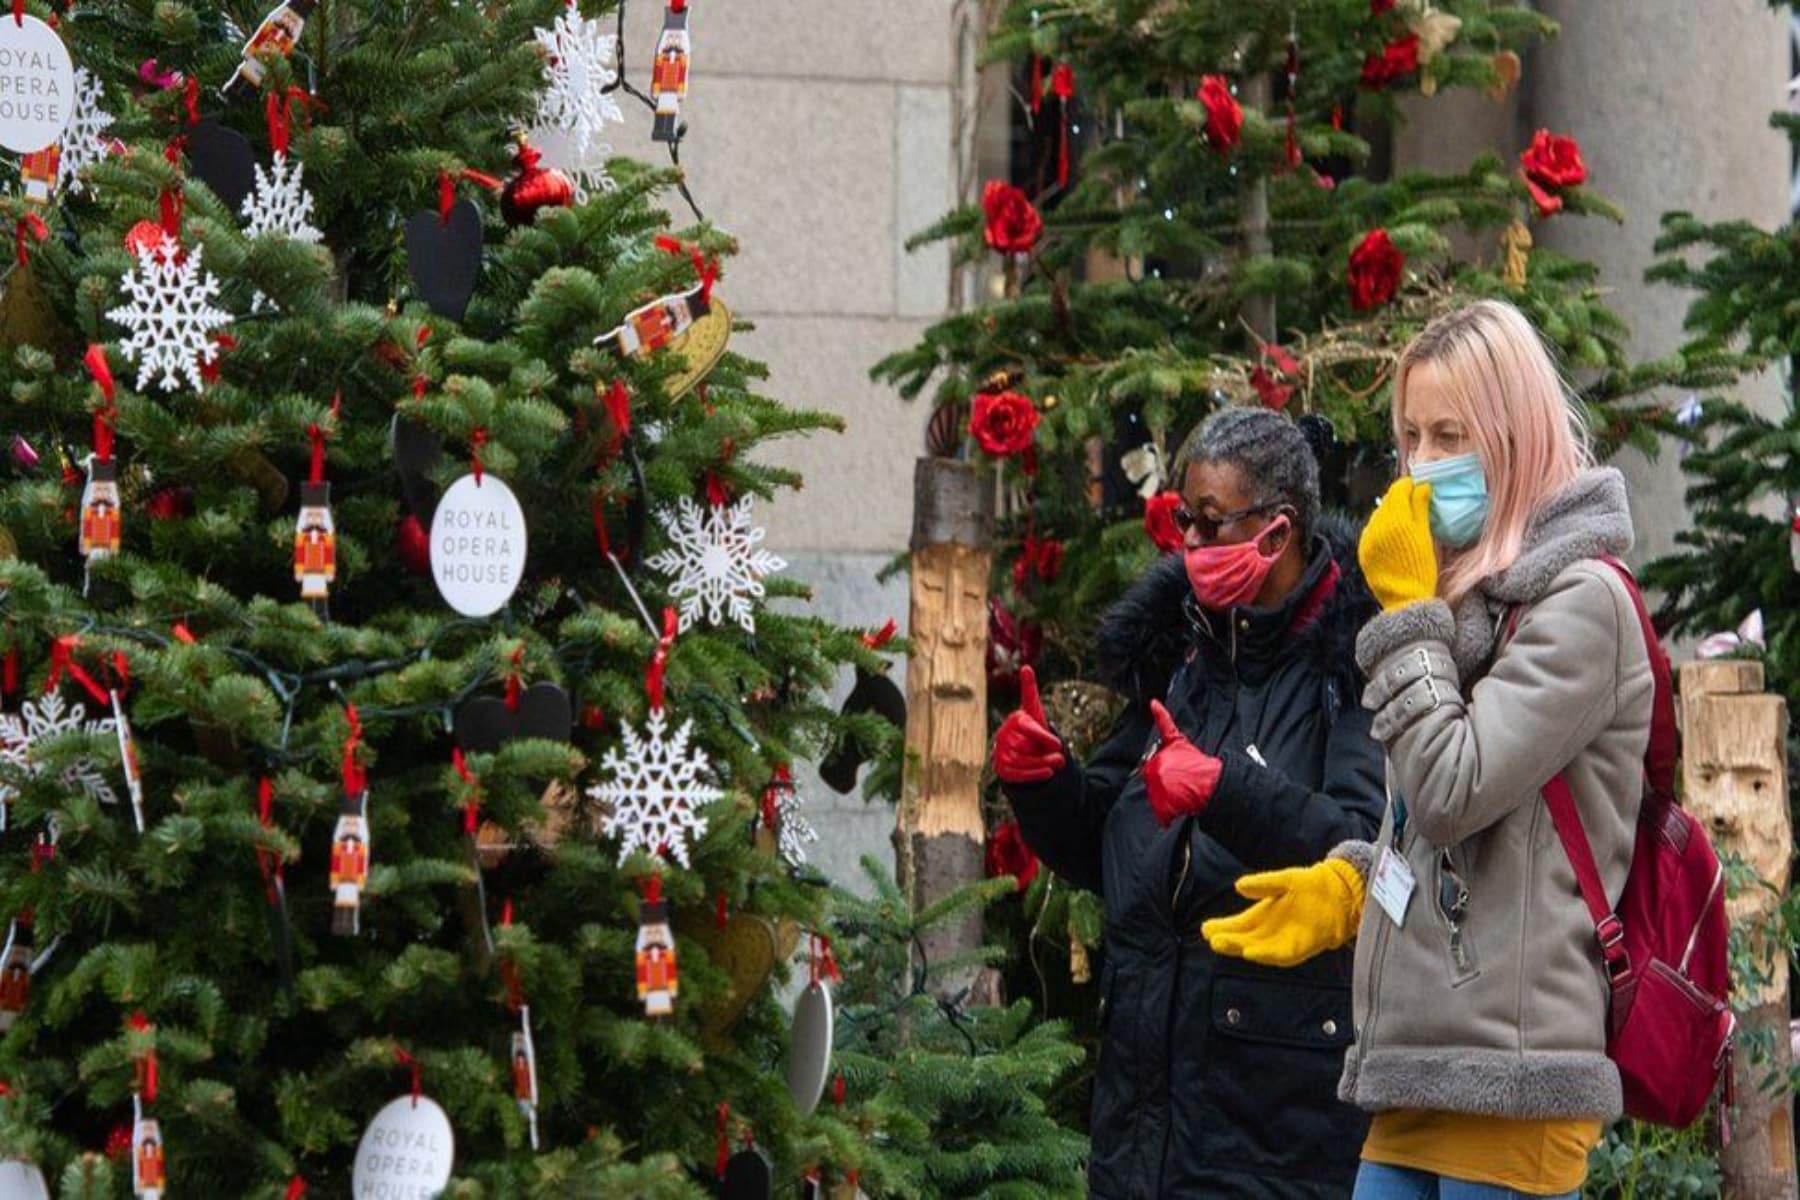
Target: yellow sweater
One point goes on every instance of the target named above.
(1540, 1158)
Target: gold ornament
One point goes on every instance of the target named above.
(1517, 243)
(27, 318)
(1507, 70)
(746, 950)
(1081, 711)
(1080, 969)
(699, 348)
(1049, 403)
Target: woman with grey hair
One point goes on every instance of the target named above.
(1243, 749)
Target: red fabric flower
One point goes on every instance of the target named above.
(1159, 522)
(1041, 558)
(1007, 854)
(1396, 61)
(169, 503)
(1224, 116)
(1013, 224)
(1374, 271)
(1552, 162)
(1012, 644)
(1003, 422)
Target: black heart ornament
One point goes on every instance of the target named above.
(748, 1176)
(417, 450)
(444, 257)
(484, 723)
(221, 158)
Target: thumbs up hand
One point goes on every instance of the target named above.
(1180, 777)
(1025, 749)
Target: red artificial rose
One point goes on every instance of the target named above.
(1396, 60)
(1381, 7)
(169, 503)
(1003, 422)
(1012, 645)
(1159, 522)
(1041, 558)
(1552, 162)
(1270, 390)
(1007, 854)
(1013, 223)
(1224, 117)
(1374, 271)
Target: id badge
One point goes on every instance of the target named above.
(1393, 885)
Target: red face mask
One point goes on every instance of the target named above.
(1226, 576)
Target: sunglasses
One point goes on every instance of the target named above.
(1186, 518)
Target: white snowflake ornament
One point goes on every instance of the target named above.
(37, 721)
(279, 206)
(656, 791)
(717, 561)
(581, 62)
(84, 140)
(171, 317)
(586, 167)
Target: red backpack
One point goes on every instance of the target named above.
(1670, 1031)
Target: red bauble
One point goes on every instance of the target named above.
(169, 503)
(413, 546)
(534, 187)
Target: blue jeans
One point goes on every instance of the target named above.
(1377, 1182)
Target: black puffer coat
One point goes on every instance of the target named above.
(1219, 1078)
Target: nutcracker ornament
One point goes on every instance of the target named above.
(658, 323)
(1794, 529)
(524, 1074)
(149, 1174)
(275, 38)
(38, 173)
(15, 971)
(315, 547)
(128, 758)
(658, 982)
(101, 527)
(349, 864)
(669, 77)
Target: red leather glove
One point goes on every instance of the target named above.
(1025, 751)
(1179, 776)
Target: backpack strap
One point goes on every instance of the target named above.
(1659, 785)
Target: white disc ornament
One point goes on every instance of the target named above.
(478, 545)
(22, 1181)
(809, 1049)
(406, 1152)
(37, 85)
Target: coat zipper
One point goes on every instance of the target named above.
(1187, 860)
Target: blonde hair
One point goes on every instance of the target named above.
(1501, 384)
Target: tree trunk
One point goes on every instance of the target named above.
(1253, 214)
(938, 840)
(1734, 775)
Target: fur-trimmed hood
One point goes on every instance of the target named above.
(1147, 633)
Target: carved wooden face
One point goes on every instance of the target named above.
(950, 600)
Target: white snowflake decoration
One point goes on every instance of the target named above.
(280, 206)
(717, 562)
(171, 317)
(586, 167)
(656, 792)
(793, 831)
(41, 720)
(84, 140)
(581, 61)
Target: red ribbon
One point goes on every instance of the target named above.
(296, 1189)
(824, 962)
(190, 98)
(32, 227)
(209, 371)
(1062, 82)
(618, 407)
(471, 806)
(183, 634)
(506, 914)
(356, 780)
(782, 778)
(62, 658)
(171, 204)
(278, 109)
(838, 1089)
(267, 861)
(513, 681)
(144, 1064)
(659, 662)
(95, 360)
(600, 524)
(43, 853)
(9, 672)
(446, 196)
(653, 890)
(19, 13)
(723, 1158)
(407, 1060)
(882, 636)
(477, 440)
(721, 911)
(706, 268)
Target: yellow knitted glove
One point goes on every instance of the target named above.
(1398, 558)
(1299, 913)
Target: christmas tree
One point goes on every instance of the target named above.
(1210, 218)
(306, 809)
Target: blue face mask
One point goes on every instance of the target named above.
(1459, 498)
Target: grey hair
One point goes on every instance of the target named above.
(1270, 454)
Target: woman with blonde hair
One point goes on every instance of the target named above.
(1508, 651)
